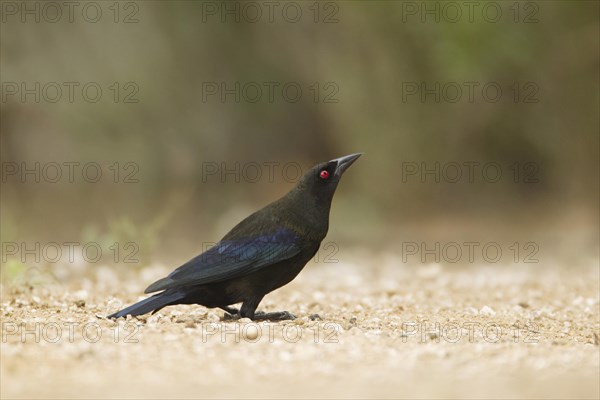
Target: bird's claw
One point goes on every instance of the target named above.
(274, 316)
(262, 316)
(230, 313)
(231, 317)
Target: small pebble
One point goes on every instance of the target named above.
(190, 324)
(487, 311)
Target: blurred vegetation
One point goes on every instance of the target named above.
(171, 133)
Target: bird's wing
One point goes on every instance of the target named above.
(231, 259)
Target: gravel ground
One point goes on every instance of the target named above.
(519, 331)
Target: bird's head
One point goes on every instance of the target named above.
(323, 178)
(317, 187)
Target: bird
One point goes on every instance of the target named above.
(263, 252)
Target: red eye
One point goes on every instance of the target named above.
(324, 174)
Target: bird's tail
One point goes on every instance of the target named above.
(153, 303)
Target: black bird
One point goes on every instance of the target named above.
(260, 254)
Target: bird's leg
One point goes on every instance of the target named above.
(249, 307)
(273, 316)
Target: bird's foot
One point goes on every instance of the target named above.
(273, 316)
(230, 313)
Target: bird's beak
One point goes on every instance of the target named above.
(344, 162)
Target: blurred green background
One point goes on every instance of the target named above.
(366, 56)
